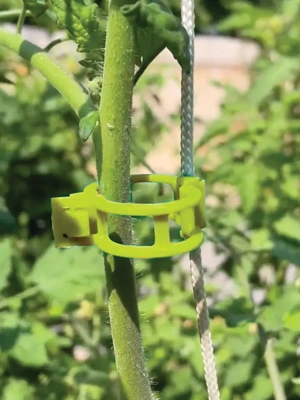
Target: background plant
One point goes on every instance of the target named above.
(55, 337)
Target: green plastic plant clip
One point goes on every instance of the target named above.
(81, 218)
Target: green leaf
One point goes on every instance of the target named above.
(148, 304)
(234, 22)
(5, 263)
(18, 389)
(149, 46)
(260, 240)
(236, 312)
(239, 372)
(87, 26)
(216, 128)
(88, 124)
(288, 226)
(262, 389)
(229, 218)
(180, 383)
(272, 317)
(30, 351)
(10, 328)
(84, 375)
(67, 275)
(273, 75)
(241, 346)
(243, 16)
(166, 330)
(286, 251)
(291, 187)
(157, 28)
(17, 340)
(292, 320)
(36, 7)
(42, 332)
(182, 310)
(250, 188)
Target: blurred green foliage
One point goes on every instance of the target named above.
(54, 334)
(207, 13)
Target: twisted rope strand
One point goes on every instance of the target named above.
(187, 95)
(210, 372)
(187, 169)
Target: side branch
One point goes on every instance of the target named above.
(59, 78)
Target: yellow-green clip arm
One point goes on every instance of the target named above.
(81, 219)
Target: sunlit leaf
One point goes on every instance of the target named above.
(88, 124)
(288, 226)
(262, 388)
(66, 275)
(260, 240)
(30, 351)
(18, 389)
(250, 188)
(239, 373)
(87, 26)
(272, 316)
(18, 340)
(271, 76)
(292, 320)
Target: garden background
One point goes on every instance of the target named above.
(54, 333)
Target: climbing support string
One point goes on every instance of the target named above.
(187, 169)
(187, 95)
(207, 350)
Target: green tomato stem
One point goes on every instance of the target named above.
(112, 146)
(74, 94)
(21, 19)
(12, 14)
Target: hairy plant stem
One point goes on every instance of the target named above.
(112, 146)
(56, 75)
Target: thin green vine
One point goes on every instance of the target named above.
(12, 14)
(273, 371)
(21, 19)
(27, 293)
